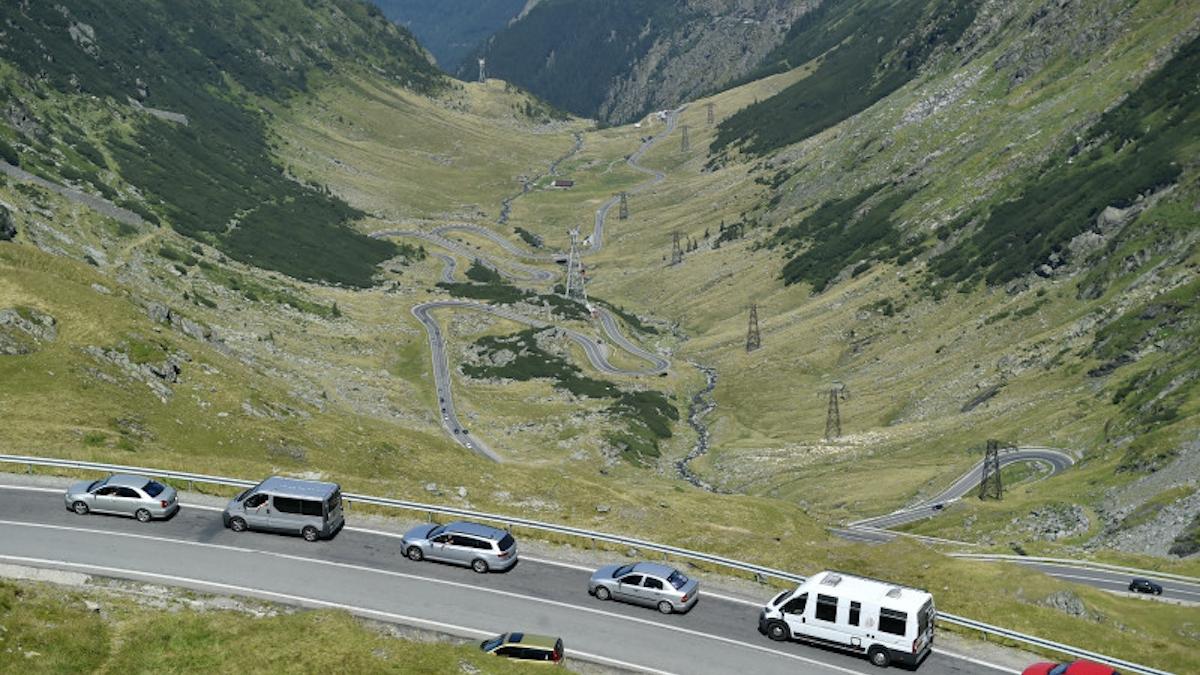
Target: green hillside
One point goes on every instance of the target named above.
(557, 52)
(991, 232)
(451, 29)
(214, 176)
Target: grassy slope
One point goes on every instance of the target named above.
(805, 345)
(49, 630)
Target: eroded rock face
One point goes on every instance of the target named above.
(23, 330)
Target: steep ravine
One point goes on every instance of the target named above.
(702, 404)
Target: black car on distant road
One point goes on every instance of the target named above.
(1145, 586)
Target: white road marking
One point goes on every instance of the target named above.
(455, 584)
(299, 599)
(542, 561)
(978, 662)
(30, 488)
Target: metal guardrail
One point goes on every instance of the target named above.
(752, 568)
(1105, 567)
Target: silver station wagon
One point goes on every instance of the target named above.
(645, 583)
(480, 547)
(123, 495)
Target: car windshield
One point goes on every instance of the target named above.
(435, 531)
(153, 488)
(677, 580)
(779, 598)
(242, 496)
(1058, 670)
(96, 484)
(489, 645)
(622, 571)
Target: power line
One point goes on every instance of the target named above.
(576, 273)
(990, 484)
(833, 411)
(676, 248)
(753, 337)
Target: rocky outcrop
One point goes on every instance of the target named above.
(156, 373)
(160, 313)
(8, 231)
(722, 42)
(23, 330)
(1054, 522)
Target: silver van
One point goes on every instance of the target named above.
(480, 547)
(309, 508)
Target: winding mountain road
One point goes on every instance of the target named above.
(509, 270)
(656, 178)
(875, 528)
(362, 571)
(596, 350)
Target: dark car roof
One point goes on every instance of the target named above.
(531, 640)
(298, 488)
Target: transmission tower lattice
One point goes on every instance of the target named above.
(684, 144)
(833, 412)
(482, 70)
(576, 274)
(623, 211)
(712, 115)
(753, 337)
(990, 484)
(676, 248)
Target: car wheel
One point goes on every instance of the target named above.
(665, 607)
(414, 554)
(777, 631)
(879, 657)
(479, 565)
(603, 593)
(80, 508)
(237, 525)
(142, 515)
(310, 533)
(1158, 591)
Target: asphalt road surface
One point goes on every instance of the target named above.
(364, 572)
(869, 529)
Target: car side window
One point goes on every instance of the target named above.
(256, 500)
(507, 651)
(796, 605)
(632, 579)
(652, 583)
(441, 539)
(106, 491)
(128, 493)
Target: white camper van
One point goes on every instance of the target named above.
(882, 620)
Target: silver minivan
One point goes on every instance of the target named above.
(480, 547)
(310, 508)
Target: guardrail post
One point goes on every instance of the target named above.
(28, 468)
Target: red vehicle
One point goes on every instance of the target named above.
(1076, 668)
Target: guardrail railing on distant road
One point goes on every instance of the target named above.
(739, 565)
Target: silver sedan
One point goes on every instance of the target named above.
(645, 583)
(123, 495)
